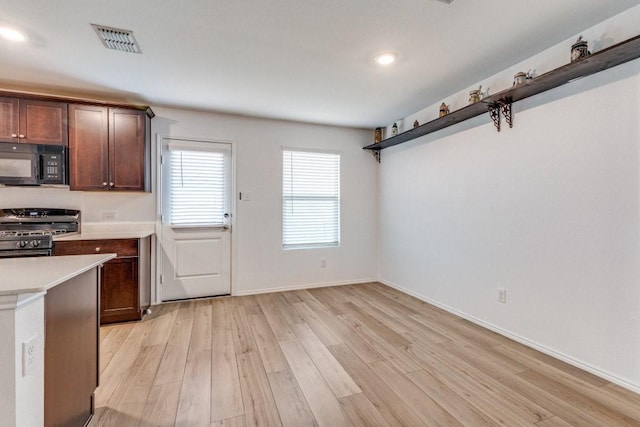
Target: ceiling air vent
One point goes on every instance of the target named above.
(116, 38)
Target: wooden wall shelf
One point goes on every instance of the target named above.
(607, 58)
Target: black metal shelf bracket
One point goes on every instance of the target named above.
(376, 154)
(498, 108)
(494, 113)
(505, 108)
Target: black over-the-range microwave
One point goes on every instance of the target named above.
(32, 164)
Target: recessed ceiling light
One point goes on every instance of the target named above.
(386, 58)
(11, 34)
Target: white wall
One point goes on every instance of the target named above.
(548, 210)
(128, 207)
(259, 261)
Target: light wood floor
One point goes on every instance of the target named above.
(361, 355)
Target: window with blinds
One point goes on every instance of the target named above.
(197, 187)
(310, 199)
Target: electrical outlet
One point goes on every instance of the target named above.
(108, 215)
(323, 262)
(502, 295)
(29, 355)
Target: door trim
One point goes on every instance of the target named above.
(157, 297)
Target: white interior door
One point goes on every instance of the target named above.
(195, 240)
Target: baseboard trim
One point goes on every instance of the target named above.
(300, 287)
(522, 340)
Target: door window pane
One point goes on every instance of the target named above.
(197, 187)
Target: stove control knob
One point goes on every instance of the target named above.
(34, 243)
(21, 244)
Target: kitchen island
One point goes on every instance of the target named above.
(48, 381)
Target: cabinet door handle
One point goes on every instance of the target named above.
(14, 135)
(104, 184)
(111, 184)
(98, 249)
(21, 136)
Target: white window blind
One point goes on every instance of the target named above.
(197, 187)
(311, 199)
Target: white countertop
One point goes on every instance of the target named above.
(112, 230)
(36, 274)
(103, 235)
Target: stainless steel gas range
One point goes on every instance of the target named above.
(30, 231)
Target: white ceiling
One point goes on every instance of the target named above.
(288, 59)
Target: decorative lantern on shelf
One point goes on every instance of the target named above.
(444, 110)
(520, 78)
(377, 135)
(475, 95)
(580, 49)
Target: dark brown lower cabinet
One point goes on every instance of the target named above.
(120, 299)
(71, 351)
(125, 281)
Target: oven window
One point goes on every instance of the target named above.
(15, 168)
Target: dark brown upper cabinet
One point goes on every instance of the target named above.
(32, 121)
(109, 148)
